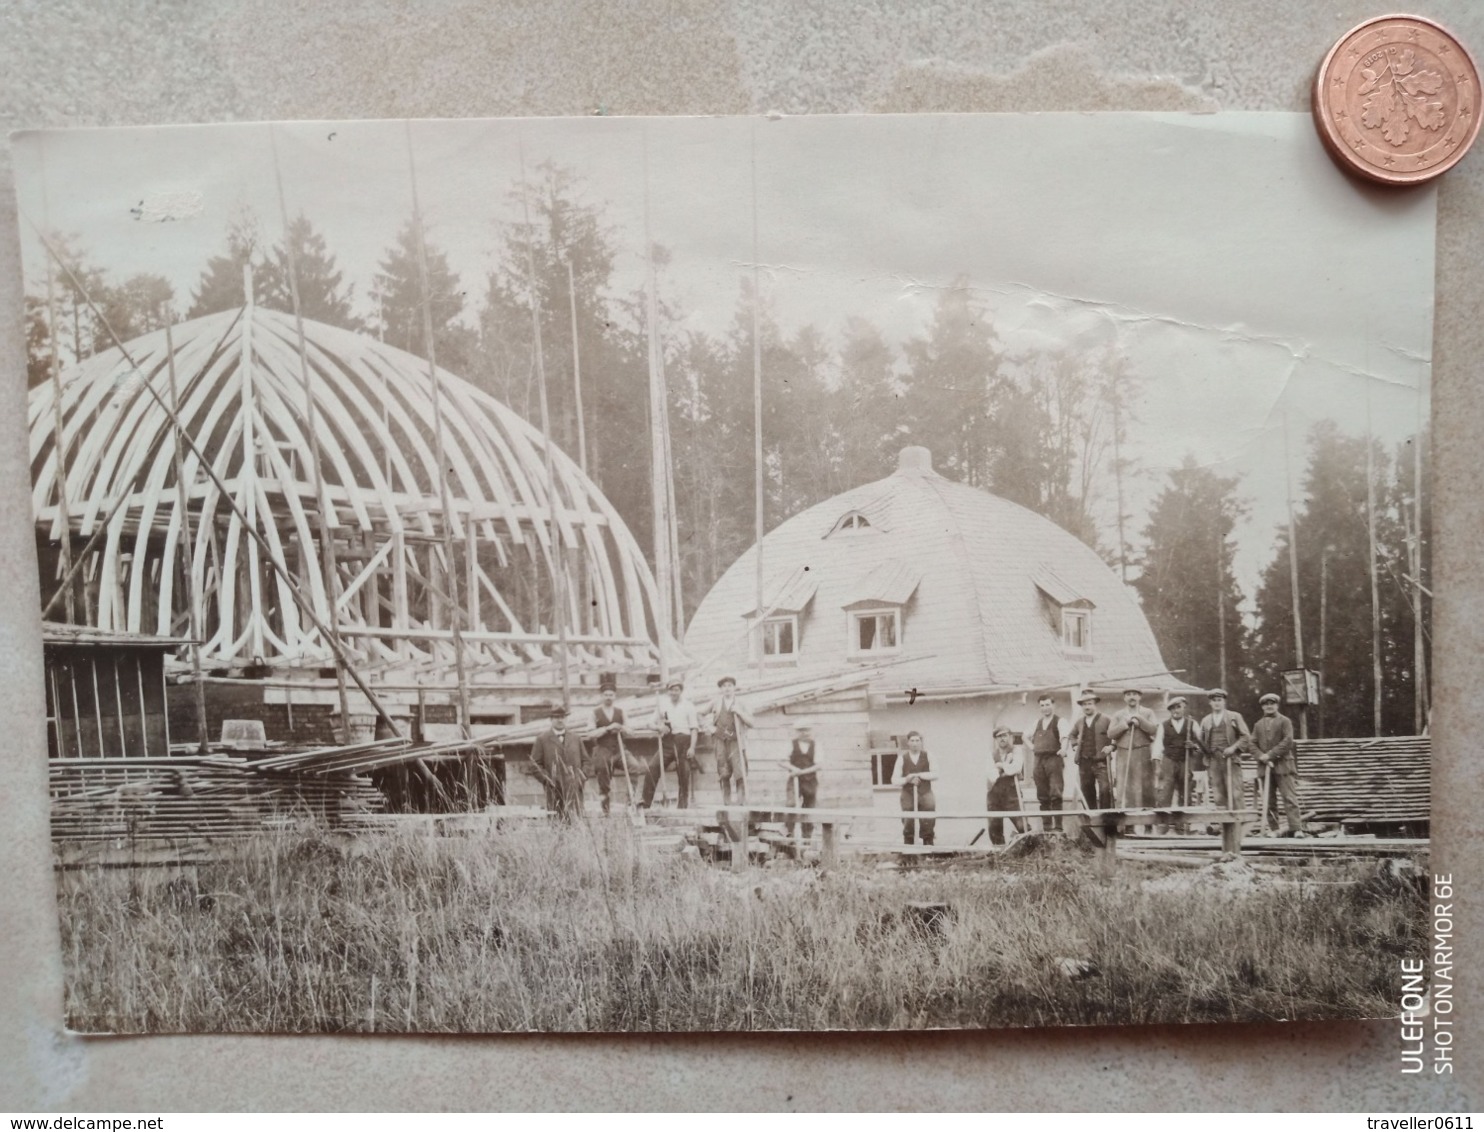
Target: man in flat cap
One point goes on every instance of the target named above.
(725, 723)
(1005, 764)
(1225, 737)
(557, 757)
(1178, 755)
(607, 737)
(1272, 739)
(678, 726)
(1132, 732)
(1092, 749)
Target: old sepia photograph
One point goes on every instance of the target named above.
(691, 574)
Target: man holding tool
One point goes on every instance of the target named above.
(1132, 731)
(1225, 737)
(1092, 749)
(608, 723)
(727, 719)
(1006, 763)
(1272, 739)
(803, 777)
(914, 774)
(1177, 750)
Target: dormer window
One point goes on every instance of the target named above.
(1068, 611)
(780, 637)
(1076, 629)
(875, 631)
(774, 629)
(852, 521)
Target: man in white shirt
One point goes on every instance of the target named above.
(678, 727)
(1006, 762)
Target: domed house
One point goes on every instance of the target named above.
(956, 609)
(332, 459)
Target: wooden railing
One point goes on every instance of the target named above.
(1105, 825)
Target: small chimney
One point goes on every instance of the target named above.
(915, 460)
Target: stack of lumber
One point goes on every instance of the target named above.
(1366, 781)
(145, 799)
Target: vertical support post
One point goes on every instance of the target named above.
(456, 613)
(658, 407)
(1420, 690)
(1108, 851)
(64, 519)
(757, 420)
(1231, 836)
(828, 852)
(558, 543)
(1370, 530)
(194, 619)
(1293, 573)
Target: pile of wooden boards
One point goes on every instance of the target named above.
(211, 796)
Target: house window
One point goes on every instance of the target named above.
(882, 764)
(875, 630)
(853, 521)
(1076, 629)
(781, 638)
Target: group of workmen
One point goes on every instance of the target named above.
(1133, 760)
(1128, 760)
(565, 763)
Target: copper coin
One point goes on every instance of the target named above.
(1397, 100)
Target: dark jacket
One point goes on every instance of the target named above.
(555, 759)
(1274, 738)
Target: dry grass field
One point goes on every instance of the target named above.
(543, 927)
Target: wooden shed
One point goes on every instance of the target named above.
(105, 693)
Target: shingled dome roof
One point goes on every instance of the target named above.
(981, 585)
(243, 401)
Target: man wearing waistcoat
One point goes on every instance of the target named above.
(1046, 747)
(1091, 748)
(1177, 747)
(1225, 738)
(1272, 739)
(725, 727)
(608, 724)
(803, 777)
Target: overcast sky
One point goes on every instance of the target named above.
(1241, 274)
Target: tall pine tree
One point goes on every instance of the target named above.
(323, 294)
(397, 292)
(1186, 583)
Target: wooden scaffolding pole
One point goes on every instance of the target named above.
(1370, 531)
(759, 640)
(558, 543)
(329, 567)
(1420, 689)
(658, 408)
(64, 518)
(194, 616)
(456, 610)
(1293, 572)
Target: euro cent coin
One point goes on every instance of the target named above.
(1397, 100)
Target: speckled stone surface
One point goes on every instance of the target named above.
(70, 62)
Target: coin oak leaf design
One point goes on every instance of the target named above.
(1397, 94)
